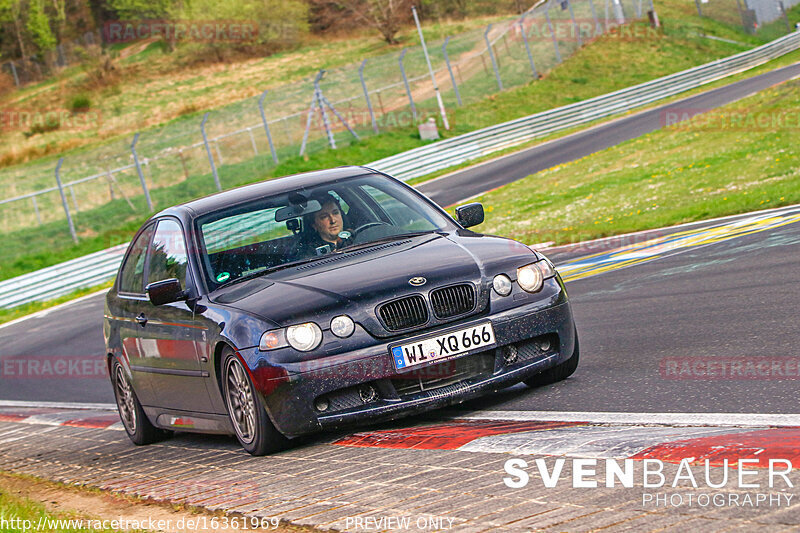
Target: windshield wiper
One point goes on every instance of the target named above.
(271, 269)
(383, 240)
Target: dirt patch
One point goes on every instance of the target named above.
(93, 504)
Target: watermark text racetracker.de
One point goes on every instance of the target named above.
(749, 486)
(192, 524)
(205, 31)
(742, 119)
(723, 368)
(54, 367)
(33, 120)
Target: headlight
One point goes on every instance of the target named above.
(531, 277)
(342, 326)
(271, 340)
(304, 337)
(502, 284)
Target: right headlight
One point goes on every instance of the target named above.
(531, 277)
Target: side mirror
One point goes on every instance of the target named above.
(469, 215)
(165, 291)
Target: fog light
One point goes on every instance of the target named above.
(342, 326)
(502, 284)
(510, 354)
(368, 393)
(543, 344)
(321, 404)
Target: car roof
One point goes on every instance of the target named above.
(246, 193)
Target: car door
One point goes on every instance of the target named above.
(170, 336)
(128, 304)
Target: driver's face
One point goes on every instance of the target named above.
(328, 222)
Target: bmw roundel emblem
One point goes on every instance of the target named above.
(418, 281)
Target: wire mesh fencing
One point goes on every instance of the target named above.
(243, 140)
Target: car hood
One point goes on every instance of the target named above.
(356, 283)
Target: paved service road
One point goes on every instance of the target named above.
(698, 303)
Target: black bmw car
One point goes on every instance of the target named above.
(319, 300)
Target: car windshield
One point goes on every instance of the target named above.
(306, 224)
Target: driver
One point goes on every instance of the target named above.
(327, 228)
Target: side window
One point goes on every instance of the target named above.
(132, 274)
(168, 258)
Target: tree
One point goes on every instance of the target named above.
(386, 16)
(141, 9)
(11, 13)
(38, 25)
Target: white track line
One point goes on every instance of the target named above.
(660, 419)
(60, 405)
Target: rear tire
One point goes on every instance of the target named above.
(137, 425)
(247, 411)
(559, 372)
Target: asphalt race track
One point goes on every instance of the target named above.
(729, 299)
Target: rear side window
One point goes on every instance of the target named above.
(168, 258)
(131, 278)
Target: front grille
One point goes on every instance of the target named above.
(404, 313)
(453, 301)
(444, 374)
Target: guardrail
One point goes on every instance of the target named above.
(96, 268)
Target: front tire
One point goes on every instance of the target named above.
(246, 409)
(559, 372)
(137, 425)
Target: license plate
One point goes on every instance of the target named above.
(443, 346)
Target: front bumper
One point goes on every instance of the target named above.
(291, 404)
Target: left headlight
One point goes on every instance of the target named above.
(302, 337)
(531, 277)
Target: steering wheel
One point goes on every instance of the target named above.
(357, 231)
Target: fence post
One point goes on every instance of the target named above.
(552, 34)
(699, 9)
(598, 28)
(74, 198)
(405, 81)
(321, 104)
(450, 69)
(141, 174)
(527, 46)
(14, 72)
(36, 210)
(252, 141)
(574, 23)
(785, 16)
(64, 201)
(366, 95)
(491, 55)
(208, 151)
(266, 126)
(619, 12)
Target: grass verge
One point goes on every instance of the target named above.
(739, 158)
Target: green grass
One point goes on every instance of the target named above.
(680, 174)
(21, 514)
(612, 62)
